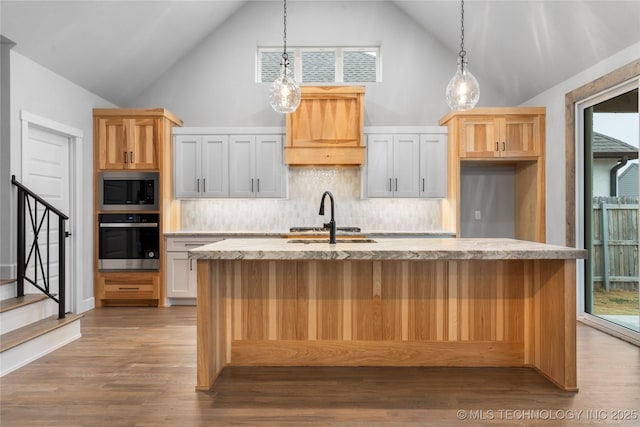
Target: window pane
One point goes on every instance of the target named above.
(318, 66)
(359, 66)
(270, 65)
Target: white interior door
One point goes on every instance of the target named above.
(46, 172)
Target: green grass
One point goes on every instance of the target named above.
(616, 302)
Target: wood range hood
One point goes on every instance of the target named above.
(327, 127)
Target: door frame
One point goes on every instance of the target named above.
(574, 140)
(76, 245)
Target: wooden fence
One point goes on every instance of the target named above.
(615, 243)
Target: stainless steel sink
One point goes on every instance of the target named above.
(316, 229)
(339, 241)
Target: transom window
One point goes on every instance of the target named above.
(321, 64)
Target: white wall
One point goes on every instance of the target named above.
(6, 268)
(553, 99)
(39, 91)
(214, 85)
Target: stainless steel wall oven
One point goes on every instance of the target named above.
(128, 241)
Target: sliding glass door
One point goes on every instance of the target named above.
(610, 130)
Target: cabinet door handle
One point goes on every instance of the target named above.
(131, 156)
(258, 185)
(504, 146)
(204, 185)
(127, 289)
(396, 184)
(423, 185)
(190, 264)
(125, 157)
(252, 185)
(197, 185)
(390, 185)
(497, 149)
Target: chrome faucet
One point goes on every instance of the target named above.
(331, 225)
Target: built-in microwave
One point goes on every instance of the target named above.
(131, 191)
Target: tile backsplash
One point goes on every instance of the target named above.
(300, 208)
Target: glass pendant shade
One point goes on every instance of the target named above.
(463, 90)
(285, 93)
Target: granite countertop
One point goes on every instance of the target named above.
(384, 249)
(287, 233)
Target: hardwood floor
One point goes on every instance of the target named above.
(136, 367)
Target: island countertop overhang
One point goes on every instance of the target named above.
(385, 249)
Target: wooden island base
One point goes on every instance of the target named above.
(499, 313)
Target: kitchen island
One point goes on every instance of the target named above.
(390, 302)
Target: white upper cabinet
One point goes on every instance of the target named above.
(215, 166)
(408, 165)
(256, 167)
(380, 165)
(229, 162)
(201, 166)
(187, 165)
(242, 165)
(270, 170)
(433, 166)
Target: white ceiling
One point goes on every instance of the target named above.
(117, 48)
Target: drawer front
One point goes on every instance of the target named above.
(130, 291)
(181, 244)
(130, 286)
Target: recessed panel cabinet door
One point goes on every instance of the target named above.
(215, 166)
(520, 136)
(112, 143)
(181, 275)
(433, 166)
(140, 139)
(187, 166)
(242, 182)
(479, 137)
(406, 165)
(269, 166)
(379, 165)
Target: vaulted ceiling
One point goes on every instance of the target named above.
(116, 49)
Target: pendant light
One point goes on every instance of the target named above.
(463, 90)
(285, 92)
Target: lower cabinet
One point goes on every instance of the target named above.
(128, 288)
(180, 272)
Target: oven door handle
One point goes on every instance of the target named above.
(128, 225)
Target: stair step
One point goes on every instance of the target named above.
(6, 281)
(17, 302)
(34, 330)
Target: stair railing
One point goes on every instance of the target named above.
(40, 223)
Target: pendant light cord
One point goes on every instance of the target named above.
(462, 51)
(285, 56)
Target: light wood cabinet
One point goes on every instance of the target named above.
(327, 127)
(127, 143)
(130, 288)
(126, 139)
(500, 136)
(510, 137)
